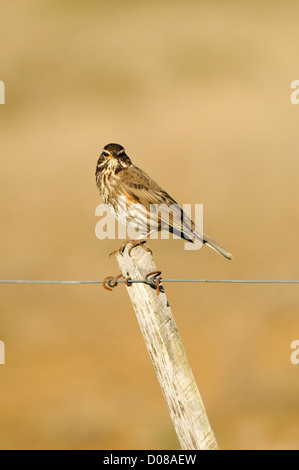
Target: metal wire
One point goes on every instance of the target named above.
(223, 281)
(21, 281)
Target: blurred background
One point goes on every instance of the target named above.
(198, 92)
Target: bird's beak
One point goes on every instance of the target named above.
(112, 154)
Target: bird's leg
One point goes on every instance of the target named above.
(121, 249)
(133, 244)
(141, 243)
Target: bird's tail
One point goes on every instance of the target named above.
(189, 231)
(216, 247)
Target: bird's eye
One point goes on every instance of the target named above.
(106, 153)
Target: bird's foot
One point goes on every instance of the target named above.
(141, 243)
(133, 244)
(120, 250)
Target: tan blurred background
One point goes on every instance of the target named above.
(198, 92)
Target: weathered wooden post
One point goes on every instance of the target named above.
(166, 350)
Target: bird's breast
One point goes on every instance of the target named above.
(107, 182)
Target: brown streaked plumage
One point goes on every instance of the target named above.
(117, 177)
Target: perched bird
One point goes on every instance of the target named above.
(124, 186)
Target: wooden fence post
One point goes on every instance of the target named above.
(166, 350)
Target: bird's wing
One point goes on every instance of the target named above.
(161, 208)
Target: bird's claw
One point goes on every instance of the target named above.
(142, 244)
(133, 244)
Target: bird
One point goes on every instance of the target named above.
(123, 187)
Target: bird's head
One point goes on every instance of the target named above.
(113, 155)
(114, 151)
